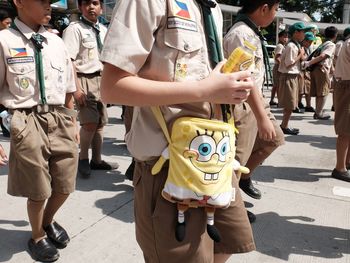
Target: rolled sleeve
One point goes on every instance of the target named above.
(130, 37)
(71, 38)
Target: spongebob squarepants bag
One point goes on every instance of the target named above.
(201, 162)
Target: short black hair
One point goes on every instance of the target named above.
(4, 14)
(283, 33)
(80, 2)
(330, 32)
(249, 6)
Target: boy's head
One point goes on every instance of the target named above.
(331, 32)
(5, 19)
(283, 37)
(309, 39)
(297, 31)
(346, 33)
(90, 9)
(33, 13)
(262, 12)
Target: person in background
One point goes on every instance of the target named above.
(305, 85)
(5, 22)
(259, 133)
(318, 41)
(342, 112)
(320, 75)
(282, 41)
(170, 65)
(290, 69)
(43, 149)
(84, 41)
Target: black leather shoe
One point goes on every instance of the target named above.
(290, 131)
(273, 103)
(57, 235)
(251, 217)
(43, 251)
(103, 166)
(309, 109)
(297, 110)
(345, 176)
(301, 105)
(321, 117)
(247, 186)
(84, 168)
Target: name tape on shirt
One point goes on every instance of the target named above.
(16, 60)
(179, 16)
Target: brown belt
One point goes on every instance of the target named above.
(89, 75)
(42, 109)
(345, 82)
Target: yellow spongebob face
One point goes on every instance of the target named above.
(202, 155)
(209, 153)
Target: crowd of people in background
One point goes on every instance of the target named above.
(91, 66)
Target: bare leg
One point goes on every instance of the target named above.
(53, 204)
(96, 145)
(35, 211)
(320, 102)
(256, 158)
(308, 100)
(342, 152)
(286, 117)
(87, 133)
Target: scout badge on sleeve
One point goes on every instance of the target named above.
(201, 162)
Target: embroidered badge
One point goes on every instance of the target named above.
(18, 52)
(24, 83)
(16, 60)
(179, 16)
(180, 71)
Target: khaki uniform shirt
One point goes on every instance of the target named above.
(19, 85)
(342, 68)
(328, 49)
(236, 36)
(278, 51)
(81, 43)
(168, 44)
(288, 57)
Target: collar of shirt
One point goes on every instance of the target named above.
(28, 32)
(92, 23)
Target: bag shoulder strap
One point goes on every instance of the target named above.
(160, 119)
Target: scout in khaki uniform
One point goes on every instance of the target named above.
(320, 74)
(305, 84)
(259, 133)
(290, 69)
(165, 61)
(37, 85)
(342, 112)
(84, 40)
(282, 41)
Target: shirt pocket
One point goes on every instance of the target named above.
(187, 54)
(90, 48)
(57, 75)
(21, 79)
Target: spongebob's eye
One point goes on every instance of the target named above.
(223, 148)
(205, 146)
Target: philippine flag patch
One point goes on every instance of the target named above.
(182, 10)
(18, 52)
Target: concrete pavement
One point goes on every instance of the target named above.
(304, 215)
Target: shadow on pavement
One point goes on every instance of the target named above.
(112, 146)
(286, 235)
(9, 239)
(322, 142)
(268, 174)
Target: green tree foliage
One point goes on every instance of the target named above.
(330, 11)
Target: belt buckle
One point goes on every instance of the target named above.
(42, 108)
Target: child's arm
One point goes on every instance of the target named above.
(121, 87)
(265, 127)
(291, 57)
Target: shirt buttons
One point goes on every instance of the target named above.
(186, 47)
(46, 77)
(22, 70)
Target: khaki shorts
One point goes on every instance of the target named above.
(307, 82)
(43, 154)
(320, 82)
(95, 111)
(275, 75)
(289, 91)
(156, 218)
(248, 140)
(342, 108)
